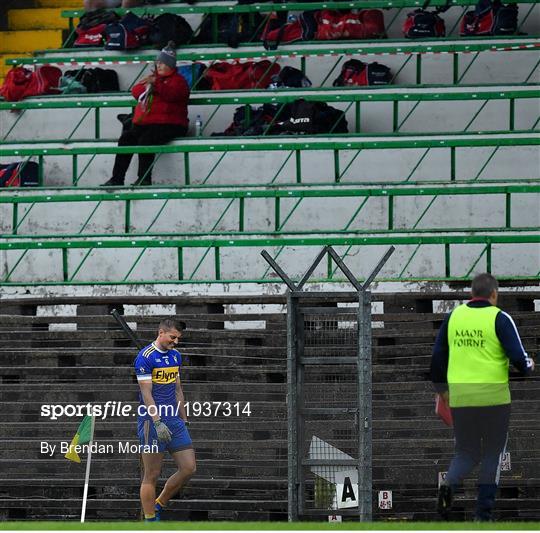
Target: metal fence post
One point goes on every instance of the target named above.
(365, 452)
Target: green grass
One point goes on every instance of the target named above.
(247, 526)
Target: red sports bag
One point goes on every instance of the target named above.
(335, 25)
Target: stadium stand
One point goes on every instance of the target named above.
(443, 165)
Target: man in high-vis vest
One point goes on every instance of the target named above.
(469, 368)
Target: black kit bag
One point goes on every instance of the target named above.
(490, 17)
(421, 23)
(232, 29)
(96, 17)
(250, 121)
(169, 27)
(358, 73)
(96, 80)
(290, 77)
(303, 117)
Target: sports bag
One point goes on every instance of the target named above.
(96, 80)
(21, 82)
(69, 85)
(289, 77)
(169, 27)
(249, 75)
(194, 76)
(250, 121)
(334, 24)
(304, 117)
(490, 17)
(232, 28)
(129, 33)
(358, 73)
(421, 23)
(91, 28)
(22, 174)
(281, 29)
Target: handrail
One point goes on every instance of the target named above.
(328, 94)
(285, 142)
(305, 49)
(86, 243)
(341, 192)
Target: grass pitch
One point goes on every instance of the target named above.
(266, 526)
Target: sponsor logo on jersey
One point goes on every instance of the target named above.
(164, 376)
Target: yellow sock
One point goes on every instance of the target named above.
(149, 516)
(159, 503)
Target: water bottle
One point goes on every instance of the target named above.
(198, 126)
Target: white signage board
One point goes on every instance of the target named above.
(506, 464)
(335, 518)
(442, 479)
(347, 489)
(385, 499)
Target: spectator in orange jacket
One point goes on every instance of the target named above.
(160, 116)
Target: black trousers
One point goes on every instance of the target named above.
(481, 434)
(143, 135)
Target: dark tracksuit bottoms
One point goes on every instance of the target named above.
(143, 135)
(480, 434)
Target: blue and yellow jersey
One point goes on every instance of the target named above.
(162, 368)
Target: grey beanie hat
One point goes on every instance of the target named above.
(168, 55)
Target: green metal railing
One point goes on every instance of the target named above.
(356, 97)
(292, 146)
(186, 261)
(286, 202)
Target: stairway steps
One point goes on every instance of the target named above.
(26, 41)
(59, 4)
(37, 19)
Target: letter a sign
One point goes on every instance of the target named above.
(347, 489)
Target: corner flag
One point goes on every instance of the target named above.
(83, 436)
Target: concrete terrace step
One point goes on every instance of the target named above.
(196, 338)
(37, 19)
(23, 41)
(63, 4)
(413, 322)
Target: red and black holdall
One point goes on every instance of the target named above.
(490, 17)
(357, 73)
(421, 23)
(91, 28)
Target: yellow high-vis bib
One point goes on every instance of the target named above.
(477, 364)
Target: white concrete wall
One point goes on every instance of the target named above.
(246, 263)
(195, 216)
